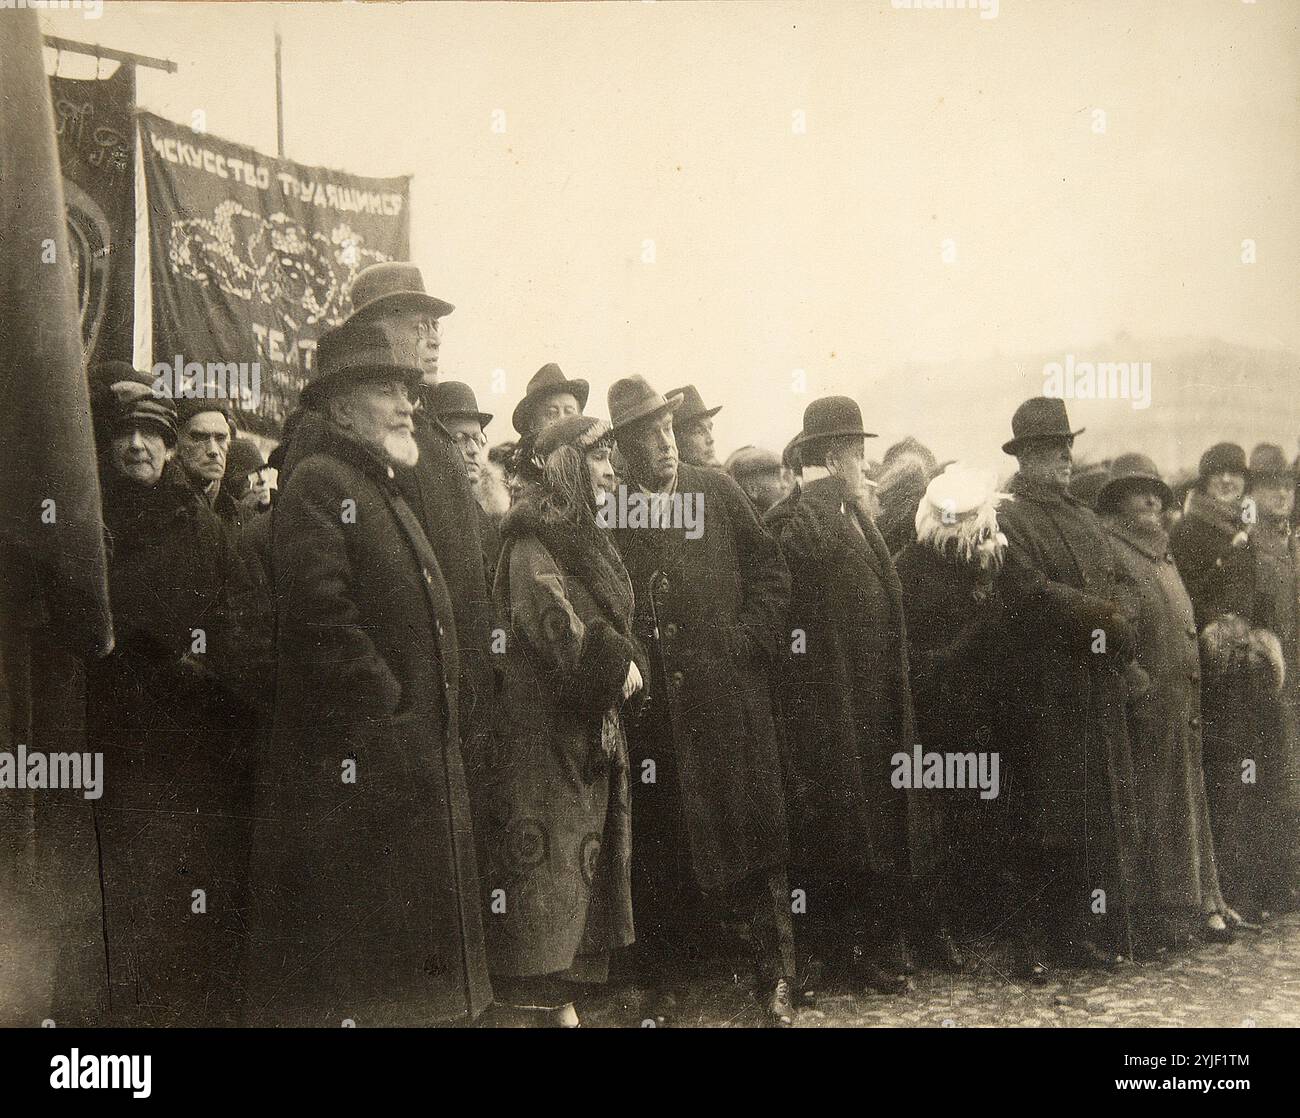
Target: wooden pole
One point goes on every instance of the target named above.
(73, 47)
(279, 99)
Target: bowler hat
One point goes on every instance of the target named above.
(1039, 417)
(454, 399)
(631, 399)
(351, 354)
(1127, 472)
(692, 406)
(393, 285)
(549, 380)
(829, 417)
(1222, 458)
(751, 460)
(1269, 460)
(790, 455)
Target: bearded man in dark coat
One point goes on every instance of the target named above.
(172, 825)
(391, 295)
(845, 699)
(365, 887)
(1068, 739)
(711, 594)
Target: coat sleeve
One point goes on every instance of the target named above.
(585, 663)
(318, 614)
(764, 575)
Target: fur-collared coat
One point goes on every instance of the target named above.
(1244, 721)
(1068, 739)
(364, 883)
(556, 818)
(710, 612)
(844, 689)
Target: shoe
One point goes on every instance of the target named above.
(1215, 929)
(1088, 955)
(1028, 968)
(780, 1009)
(565, 1017)
(1236, 921)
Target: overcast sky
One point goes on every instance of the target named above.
(677, 127)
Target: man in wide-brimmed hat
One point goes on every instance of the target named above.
(456, 407)
(392, 296)
(367, 698)
(693, 427)
(549, 396)
(1067, 738)
(759, 473)
(1180, 895)
(709, 606)
(846, 703)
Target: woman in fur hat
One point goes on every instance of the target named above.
(955, 627)
(556, 823)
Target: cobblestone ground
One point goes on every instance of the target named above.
(1252, 982)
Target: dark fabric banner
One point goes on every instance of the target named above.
(253, 257)
(96, 138)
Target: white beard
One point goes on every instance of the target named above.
(401, 449)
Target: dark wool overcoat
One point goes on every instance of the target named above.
(1165, 730)
(843, 683)
(1068, 735)
(709, 612)
(1243, 722)
(174, 817)
(956, 639)
(364, 886)
(557, 818)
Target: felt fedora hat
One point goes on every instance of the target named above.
(393, 285)
(1039, 417)
(351, 354)
(1126, 472)
(547, 381)
(829, 417)
(692, 406)
(454, 399)
(631, 399)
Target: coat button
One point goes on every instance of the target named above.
(1191, 630)
(1195, 677)
(670, 630)
(663, 585)
(1194, 721)
(675, 680)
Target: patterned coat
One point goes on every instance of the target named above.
(557, 820)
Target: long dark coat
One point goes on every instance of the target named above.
(1165, 730)
(956, 639)
(843, 685)
(175, 812)
(557, 824)
(363, 876)
(715, 812)
(1242, 720)
(1068, 738)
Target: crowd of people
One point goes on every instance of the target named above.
(434, 726)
